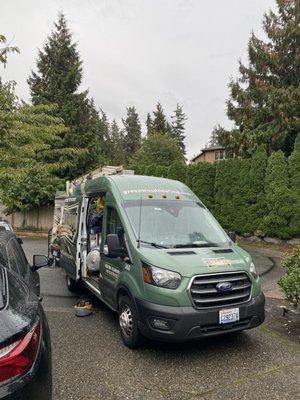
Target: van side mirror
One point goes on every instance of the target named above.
(40, 261)
(114, 247)
(20, 240)
(232, 236)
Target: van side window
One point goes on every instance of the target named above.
(114, 224)
(69, 221)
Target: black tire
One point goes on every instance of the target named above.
(128, 323)
(72, 285)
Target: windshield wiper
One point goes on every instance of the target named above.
(183, 245)
(153, 244)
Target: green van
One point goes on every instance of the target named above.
(151, 251)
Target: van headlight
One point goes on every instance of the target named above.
(253, 270)
(161, 277)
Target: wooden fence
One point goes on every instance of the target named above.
(40, 218)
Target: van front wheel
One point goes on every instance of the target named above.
(129, 330)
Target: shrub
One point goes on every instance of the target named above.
(278, 197)
(290, 283)
(161, 171)
(226, 187)
(294, 175)
(257, 200)
(177, 171)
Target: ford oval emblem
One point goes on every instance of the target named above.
(224, 286)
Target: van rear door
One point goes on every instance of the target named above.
(68, 236)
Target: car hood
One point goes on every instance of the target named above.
(18, 307)
(192, 261)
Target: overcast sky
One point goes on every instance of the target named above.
(138, 52)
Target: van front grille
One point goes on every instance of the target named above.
(206, 292)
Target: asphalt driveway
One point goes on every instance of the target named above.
(91, 363)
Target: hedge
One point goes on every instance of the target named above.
(246, 195)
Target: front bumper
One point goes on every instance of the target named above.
(187, 323)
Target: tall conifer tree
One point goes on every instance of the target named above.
(177, 129)
(159, 123)
(133, 133)
(57, 80)
(264, 101)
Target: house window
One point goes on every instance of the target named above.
(222, 154)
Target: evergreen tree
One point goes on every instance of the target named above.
(116, 137)
(240, 199)
(159, 124)
(255, 195)
(278, 197)
(177, 129)
(294, 175)
(149, 124)
(161, 171)
(133, 133)
(177, 171)
(264, 101)
(200, 179)
(57, 80)
(158, 149)
(226, 186)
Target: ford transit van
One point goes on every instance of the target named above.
(150, 249)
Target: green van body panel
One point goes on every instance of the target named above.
(120, 188)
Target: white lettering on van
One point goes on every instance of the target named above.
(155, 190)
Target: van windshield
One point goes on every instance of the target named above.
(174, 223)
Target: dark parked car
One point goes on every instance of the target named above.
(25, 348)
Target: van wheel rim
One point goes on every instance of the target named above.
(125, 321)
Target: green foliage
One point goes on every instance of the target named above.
(6, 49)
(240, 198)
(264, 100)
(226, 187)
(150, 170)
(200, 179)
(159, 124)
(256, 200)
(177, 171)
(158, 149)
(161, 171)
(116, 144)
(294, 174)
(30, 155)
(290, 283)
(133, 133)
(177, 130)
(57, 80)
(278, 197)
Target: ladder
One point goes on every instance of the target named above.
(96, 173)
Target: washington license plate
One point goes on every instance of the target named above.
(229, 315)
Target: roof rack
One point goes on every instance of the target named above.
(96, 173)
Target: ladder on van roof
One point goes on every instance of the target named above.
(96, 173)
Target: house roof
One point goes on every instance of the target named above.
(211, 147)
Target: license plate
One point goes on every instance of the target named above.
(229, 315)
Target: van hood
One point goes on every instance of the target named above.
(18, 307)
(192, 261)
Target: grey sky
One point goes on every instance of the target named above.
(137, 52)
